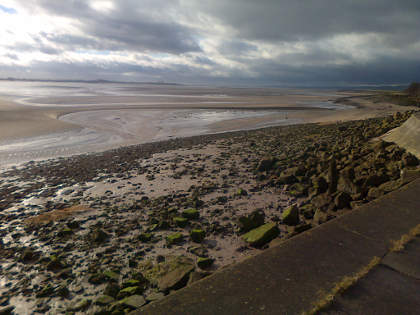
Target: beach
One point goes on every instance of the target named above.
(38, 125)
(87, 233)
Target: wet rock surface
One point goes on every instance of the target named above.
(107, 233)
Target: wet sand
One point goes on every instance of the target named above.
(40, 128)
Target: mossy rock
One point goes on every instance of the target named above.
(175, 238)
(191, 214)
(197, 235)
(205, 263)
(261, 235)
(241, 192)
(180, 222)
(111, 275)
(133, 302)
(252, 221)
(129, 291)
(132, 283)
(104, 300)
(145, 237)
(290, 216)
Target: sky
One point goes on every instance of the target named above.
(264, 42)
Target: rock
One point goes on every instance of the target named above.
(252, 221)
(409, 159)
(408, 175)
(98, 236)
(55, 264)
(8, 310)
(97, 278)
(80, 306)
(65, 232)
(198, 251)
(175, 238)
(155, 296)
(290, 216)
(104, 300)
(132, 283)
(342, 200)
(332, 176)
(180, 222)
(47, 290)
(129, 291)
(29, 256)
(205, 263)
(175, 279)
(112, 289)
(307, 210)
(375, 180)
(197, 235)
(265, 165)
(111, 275)
(73, 224)
(241, 192)
(134, 301)
(320, 185)
(261, 235)
(322, 200)
(319, 217)
(197, 275)
(286, 179)
(301, 228)
(145, 237)
(191, 214)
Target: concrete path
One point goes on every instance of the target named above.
(293, 276)
(407, 135)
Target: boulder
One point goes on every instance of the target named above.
(104, 300)
(133, 302)
(261, 235)
(197, 235)
(342, 200)
(180, 222)
(252, 221)
(290, 216)
(175, 238)
(191, 214)
(129, 291)
(320, 185)
(175, 279)
(266, 164)
(332, 176)
(205, 263)
(409, 159)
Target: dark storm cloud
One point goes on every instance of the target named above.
(277, 20)
(266, 41)
(139, 25)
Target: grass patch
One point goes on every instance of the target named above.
(400, 244)
(342, 286)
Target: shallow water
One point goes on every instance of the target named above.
(163, 116)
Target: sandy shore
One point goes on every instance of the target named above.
(20, 121)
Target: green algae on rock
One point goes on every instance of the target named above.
(197, 235)
(175, 238)
(191, 214)
(290, 216)
(261, 235)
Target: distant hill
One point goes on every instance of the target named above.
(88, 81)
